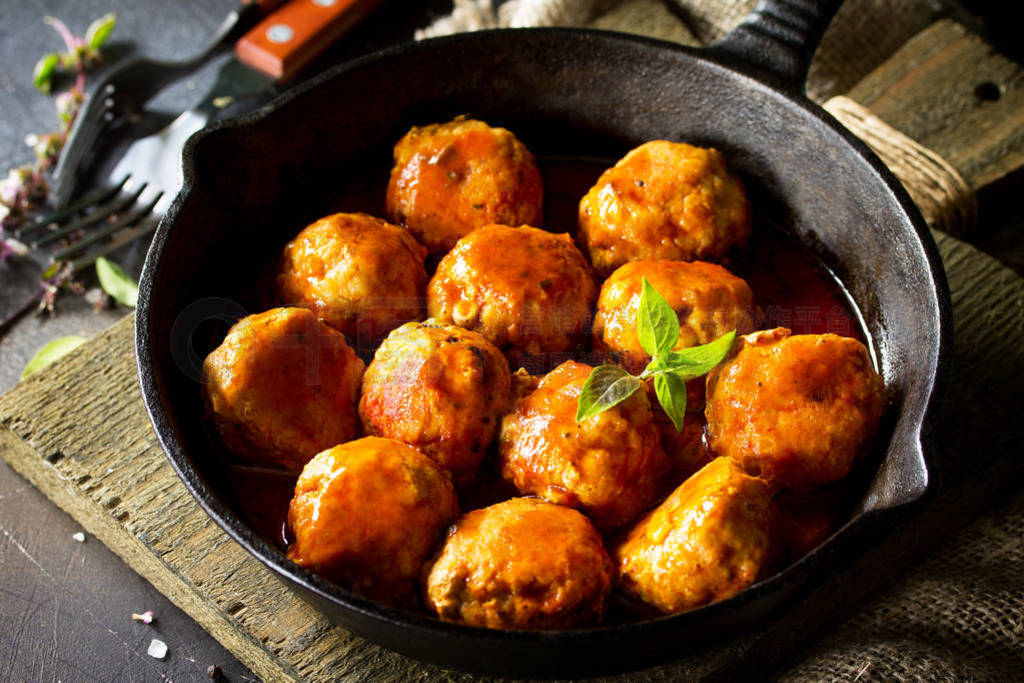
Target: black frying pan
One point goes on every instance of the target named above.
(251, 183)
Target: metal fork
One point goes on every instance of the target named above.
(119, 212)
(116, 219)
(118, 101)
(148, 175)
(67, 241)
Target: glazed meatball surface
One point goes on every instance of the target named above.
(609, 465)
(708, 299)
(367, 513)
(282, 387)
(452, 178)
(706, 542)
(663, 200)
(440, 388)
(525, 289)
(521, 564)
(359, 274)
(796, 410)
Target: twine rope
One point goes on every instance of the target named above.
(945, 199)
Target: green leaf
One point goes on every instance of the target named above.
(696, 360)
(657, 323)
(671, 392)
(51, 352)
(99, 31)
(42, 76)
(116, 282)
(607, 386)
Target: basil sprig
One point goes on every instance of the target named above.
(658, 330)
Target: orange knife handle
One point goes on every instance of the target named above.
(291, 36)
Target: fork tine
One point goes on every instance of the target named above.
(124, 221)
(95, 197)
(119, 241)
(113, 206)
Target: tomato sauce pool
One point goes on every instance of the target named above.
(791, 286)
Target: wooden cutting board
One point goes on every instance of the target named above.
(78, 431)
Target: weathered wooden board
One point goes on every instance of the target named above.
(949, 91)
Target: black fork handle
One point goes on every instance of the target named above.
(778, 38)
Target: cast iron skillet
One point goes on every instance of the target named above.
(251, 183)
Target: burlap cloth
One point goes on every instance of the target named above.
(959, 615)
(863, 34)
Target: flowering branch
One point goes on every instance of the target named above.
(25, 187)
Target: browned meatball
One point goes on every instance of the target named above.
(663, 200)
(609, 465)
(452, 178)
(367, 513)
(521, 564)
(440, 388)
(796, 410)
(706, 542)
(282, 387)
(708, 299)
(359, 274)
(525, 289)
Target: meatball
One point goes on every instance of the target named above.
(706, 542)
(440, 388)
(609, 465)
(708, 299)
(366, 514)
(663, 200)
(359, 274)
(525, 289)
(521, 564)
(796, 410)
(452, 178)
(282, 387)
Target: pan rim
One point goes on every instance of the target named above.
(215, 507)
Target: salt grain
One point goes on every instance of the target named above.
(157, 649)
(78, 536)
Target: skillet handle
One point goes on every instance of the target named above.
(778, 38)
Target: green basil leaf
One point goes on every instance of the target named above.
(671, 392)
(42, 76)
(51, 352)
(99, 31)
(696, 360)
(607, 386)
(116, 282)
(657, 323)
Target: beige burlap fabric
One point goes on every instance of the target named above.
(862, 36)
(959, 616)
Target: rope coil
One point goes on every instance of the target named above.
(943, 196)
